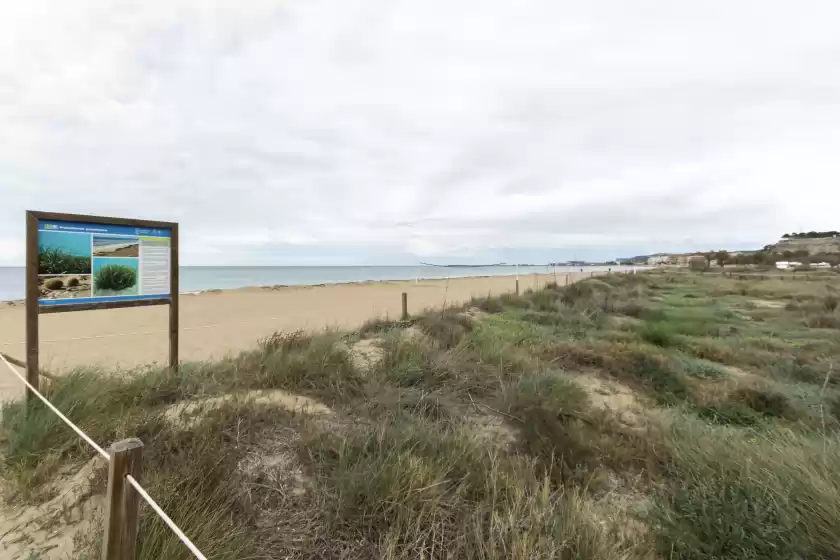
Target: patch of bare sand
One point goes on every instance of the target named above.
(366, 354)
(474, 314)
(49, 530)
(414, 333)
(767, 303)
(605, 394)
(187, 413)
(623, 321)
(275, 464)
(491, 429)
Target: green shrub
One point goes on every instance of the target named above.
(823, 321)
(56, 261)
(765, 402)
(377, 325)
(447, 328)
(487, 304)
(735, 414)
(115, 277)
(587, 293)
(54, 284)
(702, 369)
(72, 282)
(658, 333)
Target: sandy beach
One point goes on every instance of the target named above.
(214, 324)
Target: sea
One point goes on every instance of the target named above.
(202, 278)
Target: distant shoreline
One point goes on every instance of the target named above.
(221, 279)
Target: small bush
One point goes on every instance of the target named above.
(513, 300)
(73, 282)
(586, 292)
(702, 369)
(377, 325)
(633, 309)
(658, 334)
(447, 328)
(285, 341)
(488, 304)
(823, 321)
(724, 413)
(765, 402)
(830, 303)
(544, 300)
(54, 284)
(408, 362)
(115, 277)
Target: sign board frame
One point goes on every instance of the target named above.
(34, 309)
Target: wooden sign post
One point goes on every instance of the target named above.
(76, 263)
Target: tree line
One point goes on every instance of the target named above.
(811, 235)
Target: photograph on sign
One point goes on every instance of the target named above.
(80, 263)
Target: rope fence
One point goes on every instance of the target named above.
(121, 521)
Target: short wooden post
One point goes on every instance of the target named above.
(567, 278)
(405, 306)
(517, 286)
(119, 541)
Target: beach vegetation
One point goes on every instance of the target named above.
(54, 284)
(115, 277)
(643, 416)
(57, 261)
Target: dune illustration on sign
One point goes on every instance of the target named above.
(105, 246)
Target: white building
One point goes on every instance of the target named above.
(657, 259)
(785, 265)
(821, 265)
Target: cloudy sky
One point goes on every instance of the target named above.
(392, 131)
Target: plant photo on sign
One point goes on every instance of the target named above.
(63, 253)
(64, 287)
(115, 277)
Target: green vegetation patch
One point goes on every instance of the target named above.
(115, 277)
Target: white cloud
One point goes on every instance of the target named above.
(341, 130)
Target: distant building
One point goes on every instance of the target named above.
(655, 260)
(684, 259)
(821, 265)
(786, 265)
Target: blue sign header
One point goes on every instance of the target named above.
(79, 227)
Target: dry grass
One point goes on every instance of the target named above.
(641, 416)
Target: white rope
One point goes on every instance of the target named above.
(75, 428)
(178, 532)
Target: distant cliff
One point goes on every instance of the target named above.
(813, 246)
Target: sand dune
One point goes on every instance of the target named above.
(218, 323)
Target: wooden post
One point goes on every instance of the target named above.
(405, 306)
(567, 278)
(517, 286)
(174, 275)
(119, 541)
(32, 352)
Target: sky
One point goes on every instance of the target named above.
(312, 132)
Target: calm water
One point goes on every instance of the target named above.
(198, 278)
